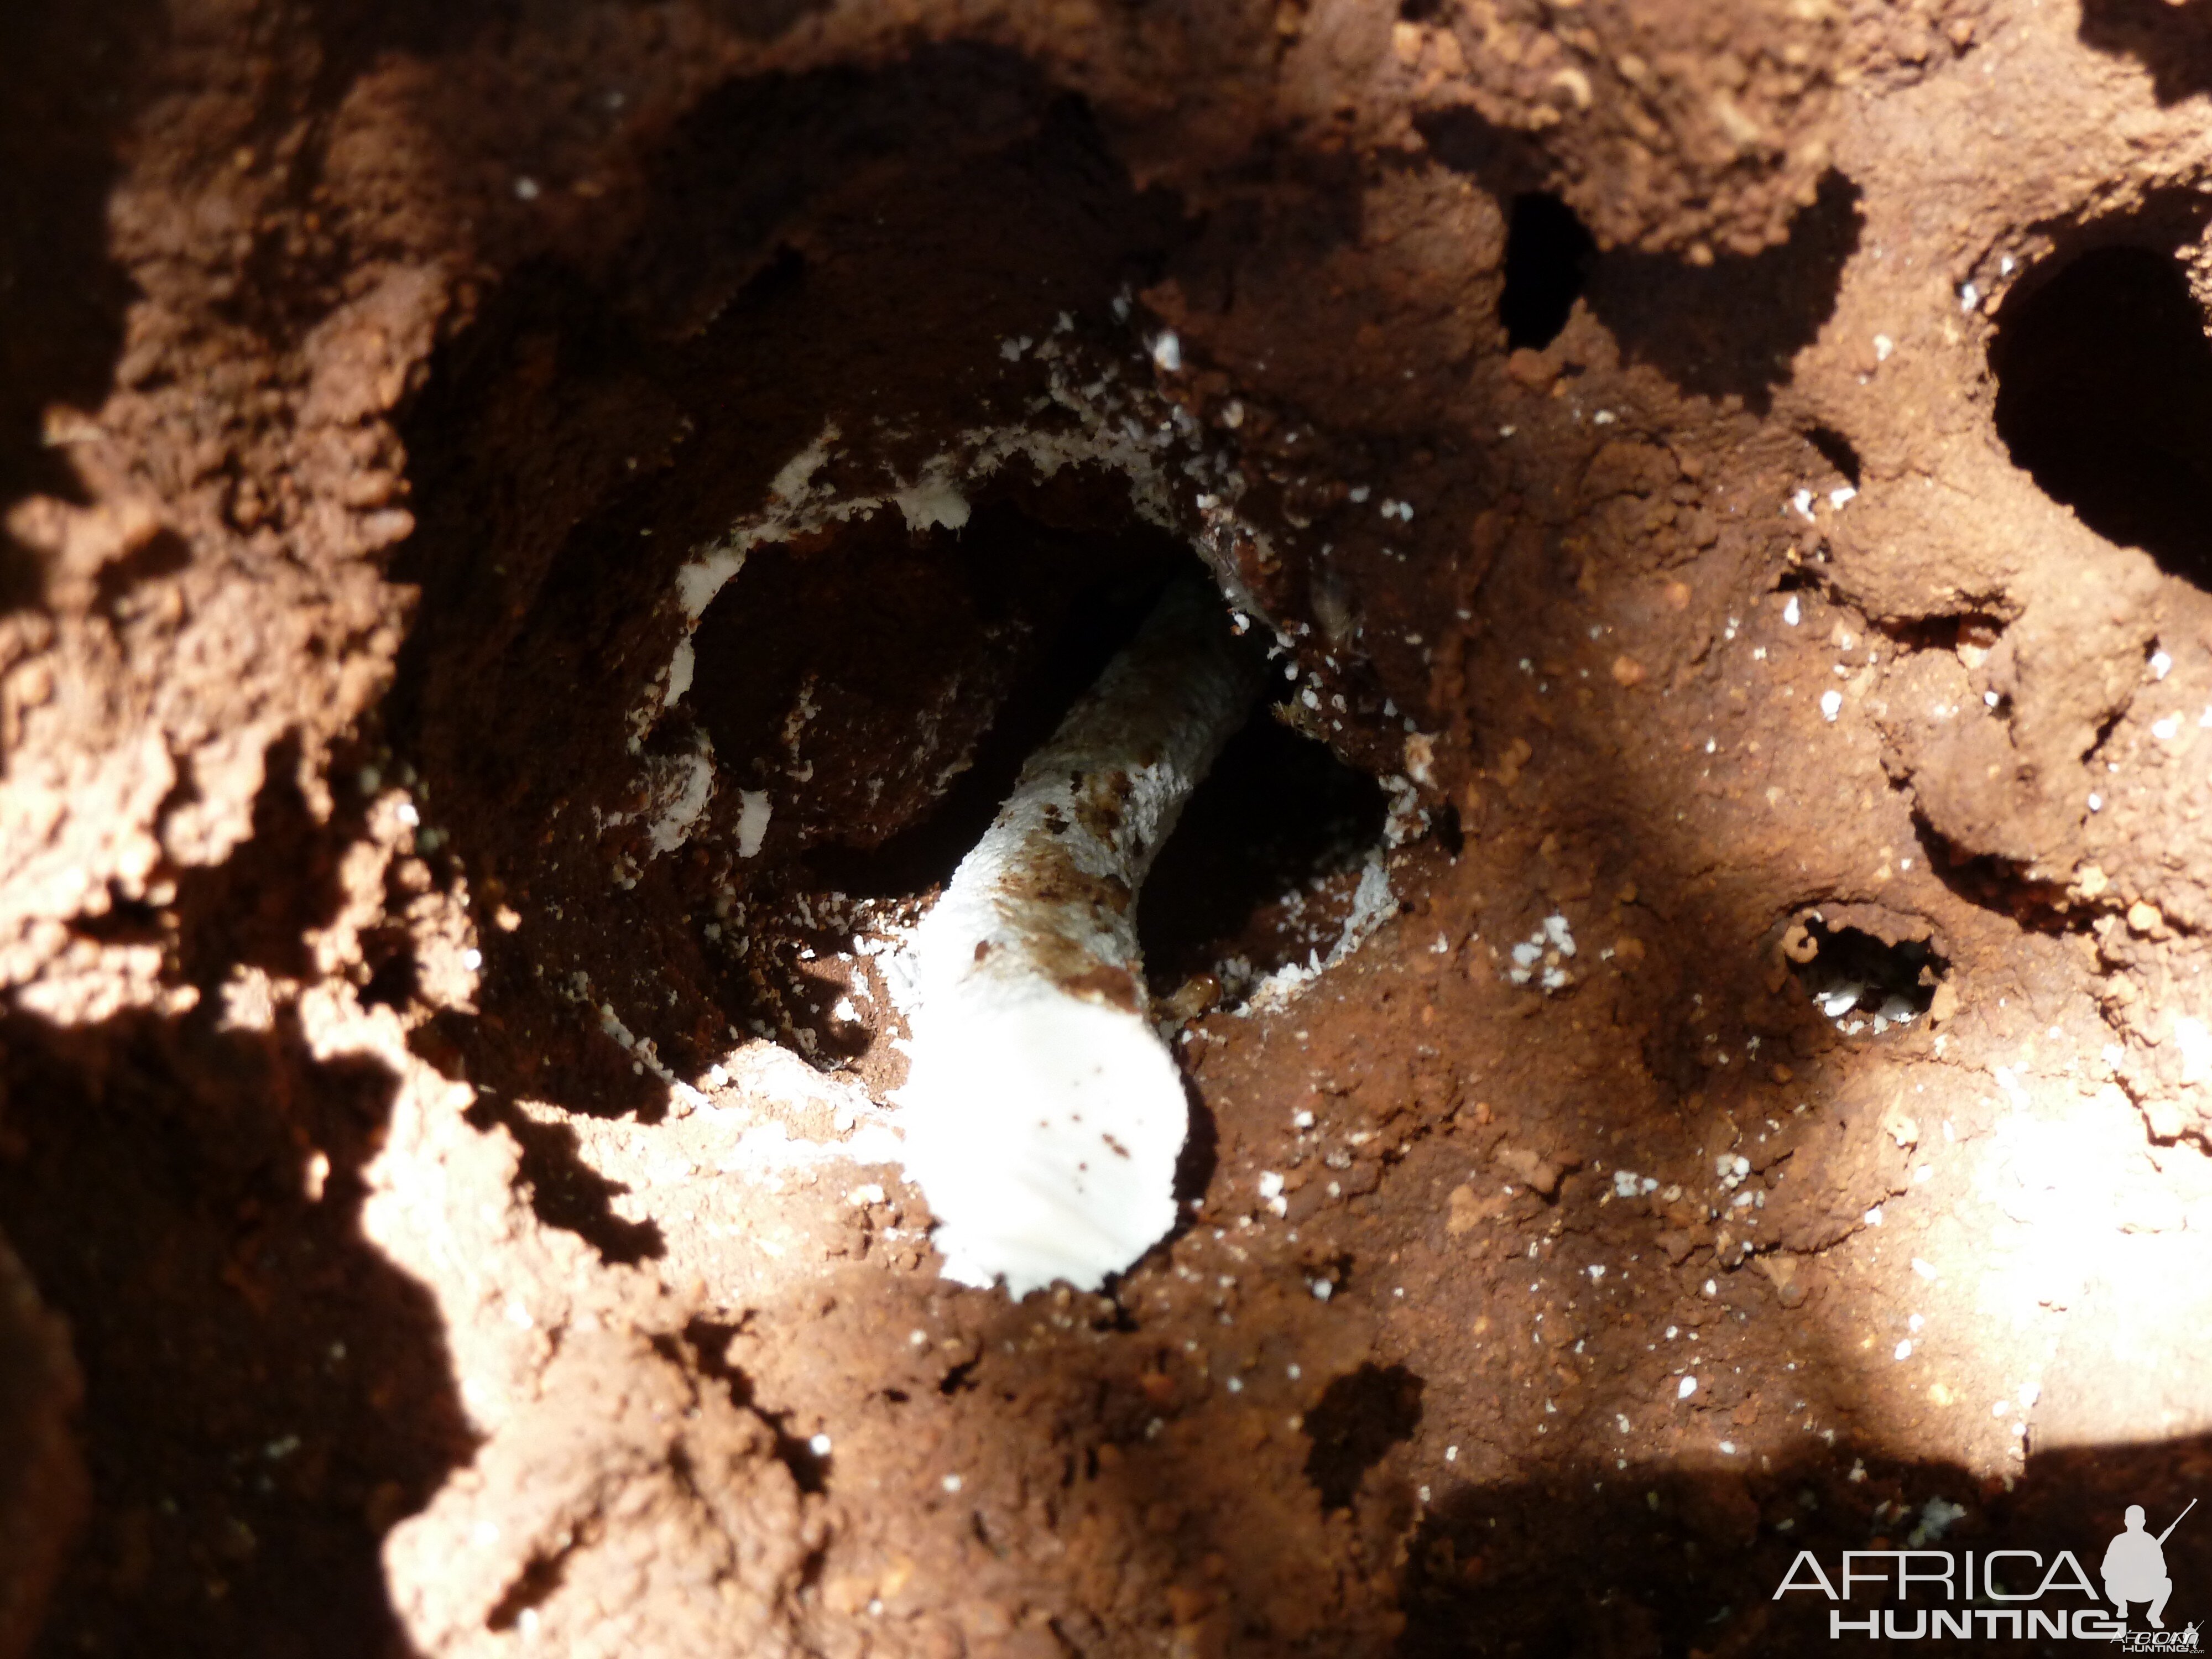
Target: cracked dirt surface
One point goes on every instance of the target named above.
(532, 543)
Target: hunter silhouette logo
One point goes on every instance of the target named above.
(2135, 1567)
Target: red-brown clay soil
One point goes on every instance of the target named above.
(536, 535)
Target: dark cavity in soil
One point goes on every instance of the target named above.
(1265, 855)
(1019, 612)
(1254, 864)
(1022, 609)
(1548, 256)
(1889, 980)
(2105, 396)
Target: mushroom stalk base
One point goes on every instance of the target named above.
(1043, 1116)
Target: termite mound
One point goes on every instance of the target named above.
(1597, 409)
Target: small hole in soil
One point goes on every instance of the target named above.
(959, 1379)
(394, 979)
(533, 1588)
(1857, 979)
(1360, 1417)
(2106, 727)
(1835, 449)
(1548, 255)
(2105, 396)
(1967, 630)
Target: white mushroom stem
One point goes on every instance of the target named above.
(1043, 1114)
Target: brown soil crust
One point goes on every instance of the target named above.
(1726, 487)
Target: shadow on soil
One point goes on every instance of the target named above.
(1730, 328)
(265, 1395)
(66, 97)
(2172, 43)
(1733, 326)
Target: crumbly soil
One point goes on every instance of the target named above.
(1729, 484)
